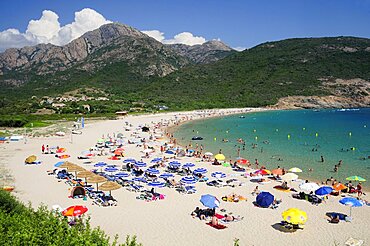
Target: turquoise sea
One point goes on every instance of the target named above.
(291, 138)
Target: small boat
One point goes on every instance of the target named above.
(241, 116)
(196, 138)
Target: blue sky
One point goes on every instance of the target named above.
(239, 23)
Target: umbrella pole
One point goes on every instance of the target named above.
(97, 188)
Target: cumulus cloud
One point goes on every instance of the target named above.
(47, 29)
(181, 38)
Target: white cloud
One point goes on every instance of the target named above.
(157, 35)
(181, 38)
(239, 48)
(47, 29)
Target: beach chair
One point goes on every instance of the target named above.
(135, 188)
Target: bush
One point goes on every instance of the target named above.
(21, 225)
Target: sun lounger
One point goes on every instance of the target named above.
(135, 188)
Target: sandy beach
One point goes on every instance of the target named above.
(168, 221)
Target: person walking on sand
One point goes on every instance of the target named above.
(43, 148)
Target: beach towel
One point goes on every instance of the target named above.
(218, 227)
(219, 216)
(280, 188)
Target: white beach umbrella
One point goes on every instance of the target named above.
(208, 154)
(309, 187)
(289, 177)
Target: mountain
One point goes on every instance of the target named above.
(109, 44)
(294, 71)
(208, 52)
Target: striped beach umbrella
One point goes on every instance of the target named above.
(188, 165)
(111, 169)
(166, 175)
(188, 180)
(174, 164)
(152, 171)
(200, 170)
(157, 184)
(155, 160)
(140, 164)
(356, 178)
(218, 175)
(129, 160)
(100, 164)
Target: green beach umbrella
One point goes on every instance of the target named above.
(356, 178)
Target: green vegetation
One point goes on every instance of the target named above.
(254, 77)
(20, 225)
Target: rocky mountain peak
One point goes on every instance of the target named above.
(216, 45)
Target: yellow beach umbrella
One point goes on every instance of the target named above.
(294, 216)
(220, 157)
(295, 170)
(109, 186)
(30, 159)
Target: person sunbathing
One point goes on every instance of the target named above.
(229, 218)
(214, 221)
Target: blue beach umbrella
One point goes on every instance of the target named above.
(121, 175)
(129, 160)
(210, 201)
(100, 164)
(200, 170)
(152, 171)
(140, 164)
(58, 164)
(351, 202)
(264, 199)
(155, 160)
(157, 184)
(322, 191)
(188, 165)
(174, 164)
(166, 175)
(111, 165)
(170, 152)
(188, 180)
(218, 175)
(111, 169)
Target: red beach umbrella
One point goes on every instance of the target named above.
(243, 161)
(75, 210)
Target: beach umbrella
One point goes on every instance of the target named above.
(67, 164)
(169, 152)
(100, 164)
(208, 154)
(166, 175)
(188, 165)
(119, 135)
(75, 210)
(139, 179)
(157, 184)
(263, 172)
(218, 175)
(277, 171)
(121, 175)
(351, 202)
(220, 157)
(85, 175)
(109, 186)
(118, 152)
(356, 178)
(155, 160)
(129, 160)
(111, 169)
(339, 187)
(200, 170)
(243, 161)
(140, 164)
(289, 177)
(210, 201)
(188, 180)
(309, 186)
(174, 164)
(152, 171)
(295, 170)
(264, 199)
(294, 216)
(30, 159)
(96, 179)
(147, 150)
(58, 164)
(75, 169)
(324, 190)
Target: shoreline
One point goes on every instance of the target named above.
(136, 217)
